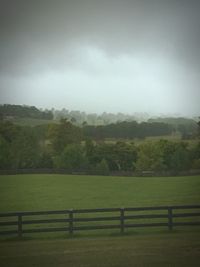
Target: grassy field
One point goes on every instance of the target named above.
(161, 249)
(141, 247)
(47, 192)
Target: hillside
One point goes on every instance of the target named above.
(8, 111)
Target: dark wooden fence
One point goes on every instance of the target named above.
(69, 221)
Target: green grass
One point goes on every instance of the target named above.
(48, 192)
(160, 249)
(137, 247)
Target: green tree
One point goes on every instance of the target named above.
(90, 150)
(63, 134)
(125, 156)
(102, 168)
(45, 160)
(150, 158)
(25, 149)
(72, 158)
(8, 130)
(164, 156)
(5, 157)
(198, 123)
(180, 158)
(196, 164)
(119, 156)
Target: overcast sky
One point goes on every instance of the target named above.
(101, 55)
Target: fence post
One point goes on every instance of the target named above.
(19, 225)
(71, 230)
(170, 218)
(122, 220)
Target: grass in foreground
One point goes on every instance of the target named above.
(140, 248)
(158, 249)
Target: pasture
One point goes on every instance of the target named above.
(52, 192)
(141, 247)
(157, 249)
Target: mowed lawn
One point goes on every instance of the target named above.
(49, 192)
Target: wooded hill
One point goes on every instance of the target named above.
(18, 111)
(100, 126)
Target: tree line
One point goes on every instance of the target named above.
(105, 125)
(20, 111)
(66, 146)
(128, 130)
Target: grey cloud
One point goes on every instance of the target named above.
(43, 42)
(40, 34)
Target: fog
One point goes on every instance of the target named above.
(95, 56)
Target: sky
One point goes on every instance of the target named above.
(101, 55)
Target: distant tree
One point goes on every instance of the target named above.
(8, 130)
(24, 111)
(198, 123)
(150, 158)
(45, 160)
(127, 130)
(196, 164)
(5, 157)
(73, 158)
(119, 156)
(90, 150)
(25, 149)
(163, 156)
(104, 151)
(185, 126)
(125, 156)
(102, 168)
(195, 156)
(63, 134)
(73, 120)
(180, 158)
(84, 123)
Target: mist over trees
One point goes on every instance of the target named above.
(82, 118)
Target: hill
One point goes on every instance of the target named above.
(8, 111)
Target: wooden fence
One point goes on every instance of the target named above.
(15, 223)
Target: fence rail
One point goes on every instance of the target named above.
(118, 218)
